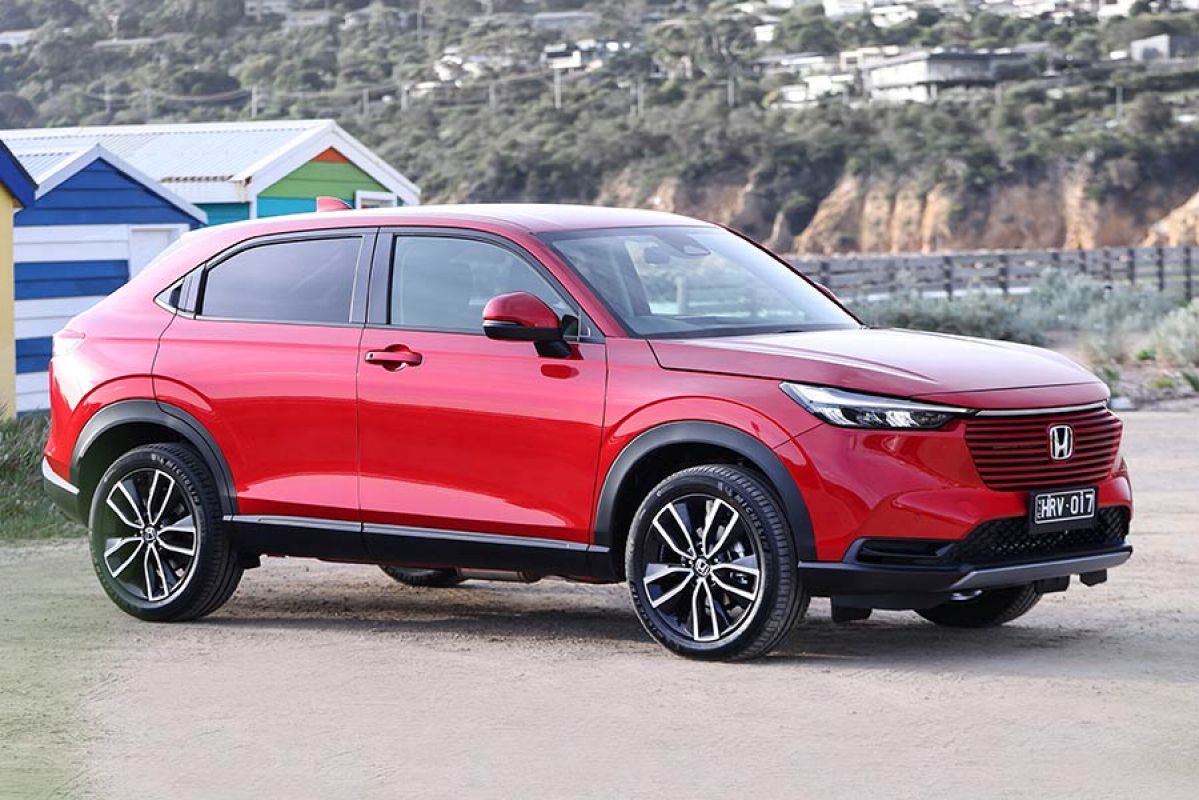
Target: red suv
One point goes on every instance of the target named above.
(598, 394)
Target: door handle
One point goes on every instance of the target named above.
(393, 358)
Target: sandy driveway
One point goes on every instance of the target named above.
(322, 681)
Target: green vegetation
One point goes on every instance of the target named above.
(1176, 338)
(1107, 328)
(1105, 319)
(25, 511)
(461, 146)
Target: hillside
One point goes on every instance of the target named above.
(1073, 150)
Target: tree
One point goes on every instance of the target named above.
(1150, 115)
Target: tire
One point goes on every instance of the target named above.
(987, 609)
(423, 578)
(159, 547)
(699, 596)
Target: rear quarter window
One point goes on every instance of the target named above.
(308, 280)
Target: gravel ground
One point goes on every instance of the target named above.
(321, 681)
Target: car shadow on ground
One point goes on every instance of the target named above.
(519, 614)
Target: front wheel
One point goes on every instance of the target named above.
(158, 544)
(711, 565)
(985, 609)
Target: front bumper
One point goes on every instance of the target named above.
(844, 578)
(64, 494)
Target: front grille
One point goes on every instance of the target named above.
(1012, 453)
(1008, 540)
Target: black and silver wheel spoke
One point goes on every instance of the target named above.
(701, 573)
(155, 524)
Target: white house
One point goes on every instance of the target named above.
(921, 75)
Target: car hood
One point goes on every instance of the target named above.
(958, 369)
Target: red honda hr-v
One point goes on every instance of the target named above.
(598, 394)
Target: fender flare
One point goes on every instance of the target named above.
(168, 416)
(745, 445)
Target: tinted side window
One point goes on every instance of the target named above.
(442, 283)
(296, 281)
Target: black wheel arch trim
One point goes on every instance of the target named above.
(706, 433)
(171, 417)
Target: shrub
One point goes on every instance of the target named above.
(25, 511)
(1176, 338)
(987, 316)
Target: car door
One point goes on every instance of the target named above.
(266, 360)
(472, 440)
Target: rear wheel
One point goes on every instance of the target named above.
(985, 609)
(158, 544)
(711, 565)
(424, 578)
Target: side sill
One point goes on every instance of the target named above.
(340, 540)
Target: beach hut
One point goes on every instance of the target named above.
(16, 191)
(93, 221)
(244, 170)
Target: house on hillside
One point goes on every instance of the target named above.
(260, 8)
(920, 76)
(93, 222)
(17, 190)
(15, 40)
(793, 64)
(1164, 47)
(564, 21)
(243, 170)
(814, 88)
(585, 55)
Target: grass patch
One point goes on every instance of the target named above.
(25, 511)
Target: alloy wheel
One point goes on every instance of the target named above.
(701, 574)
(150, 550)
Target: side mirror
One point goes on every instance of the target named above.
(522, 317)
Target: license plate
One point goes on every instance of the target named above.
(1062, 509)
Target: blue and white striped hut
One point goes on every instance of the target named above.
(94, 223)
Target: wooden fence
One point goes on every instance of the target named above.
(1166, 269)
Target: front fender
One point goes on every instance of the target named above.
(706, 432)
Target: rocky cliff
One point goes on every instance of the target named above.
(1060, 208)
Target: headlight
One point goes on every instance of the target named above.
(853, 410)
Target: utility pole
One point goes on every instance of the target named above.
(253, 102)
(557, 88)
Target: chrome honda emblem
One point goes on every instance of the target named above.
(1061, 442)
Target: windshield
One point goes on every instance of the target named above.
(694, 281)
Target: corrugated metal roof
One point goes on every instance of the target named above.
(188, 152)
(39, 162)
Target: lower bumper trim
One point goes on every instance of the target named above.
(1027, 573)
(837, 578)
(64, 493)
